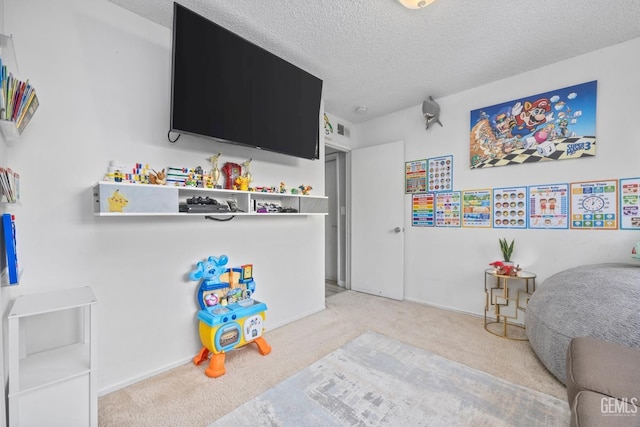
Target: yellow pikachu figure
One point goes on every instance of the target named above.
(117, 201)
(242, 183)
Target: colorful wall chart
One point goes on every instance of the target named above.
(440, 170)
(510, 207)
(594, 205)
(423, 210)
(549, 206)
(448, 208)
(476, 208)
(415, 176)
(630, 203)
(589, 205)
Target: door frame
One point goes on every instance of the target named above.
(346, 187)
(336, 191)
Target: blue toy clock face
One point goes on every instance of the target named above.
(593, 203)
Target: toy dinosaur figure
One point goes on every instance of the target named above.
(306, 189)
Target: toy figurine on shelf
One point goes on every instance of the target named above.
(215, 172)
(306, 189)
(191, 180)
(229, 317)
(208, 180)
(231, 171)
(158, 178)
(265, 189)
(242, 183)
(282, 189)
(247, 172)
(199, 176)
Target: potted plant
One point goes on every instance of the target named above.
(507, 249)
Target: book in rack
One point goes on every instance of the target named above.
(9, 185)
(18, 99)
(9, 231)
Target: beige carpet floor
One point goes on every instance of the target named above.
(185, 396)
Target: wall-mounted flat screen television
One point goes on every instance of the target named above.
(226, 88)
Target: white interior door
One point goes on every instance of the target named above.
(377, 220)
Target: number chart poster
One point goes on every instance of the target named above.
(423, 210)
(415, 176)
(440, 173)
(630, 203)
(549, 206)
(510, 207)
(448, 208)
(555, 125)
(594, 205)
(476, 208)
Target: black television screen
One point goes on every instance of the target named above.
(224, 87)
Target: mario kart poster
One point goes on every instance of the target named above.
(556, 125)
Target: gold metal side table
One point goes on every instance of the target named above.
(505, 297)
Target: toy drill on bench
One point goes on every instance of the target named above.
(229, 317)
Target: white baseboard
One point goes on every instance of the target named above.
(444, 307)
(181, 362)
(286, 322)
(144, 376)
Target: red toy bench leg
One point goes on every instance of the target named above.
(263, 347)
(216, 366)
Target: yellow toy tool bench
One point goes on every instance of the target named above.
(229, 317)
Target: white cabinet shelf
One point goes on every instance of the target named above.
(45, 373)
(124, 199)
(53, 366)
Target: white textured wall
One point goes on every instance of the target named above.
(444, 266)
(102, 75)
(3, 149)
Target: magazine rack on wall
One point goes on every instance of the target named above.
(18, 102)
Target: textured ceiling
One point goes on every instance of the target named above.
(378, 54)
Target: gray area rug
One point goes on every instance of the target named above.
(377, 381)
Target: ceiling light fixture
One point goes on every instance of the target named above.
(415, 4)
(361, 109)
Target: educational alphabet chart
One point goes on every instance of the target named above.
(510, 207)
(415, 176)
(594, 205)
(630, 203)
(476, 208)
(549, 206)
(440, 170)
(448, 207)
(422, 208)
